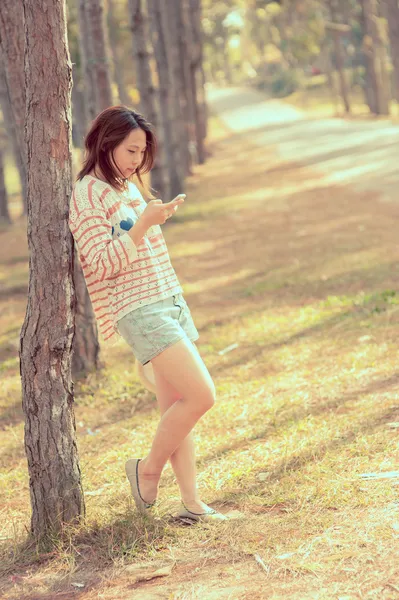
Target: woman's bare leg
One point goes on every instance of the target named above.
(183, 459)
(183, 368)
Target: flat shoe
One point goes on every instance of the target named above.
(132, 473)
(210, 515)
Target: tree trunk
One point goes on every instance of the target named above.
(98, 40)
(378, 95)
(339, 58)
(85, 344)
(186, 51)
(118, 67)
(171, 140)
(371, 85)
(4, 214)
(6, 110)
(170, 23)
(148, 95)
(86, 348)
(47, 333)
(11, 56)
(392, 15)
(381, 44)
(196, 79)
(341, 74)
(79, 122)
(86, 56)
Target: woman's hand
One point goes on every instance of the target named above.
(156, 212)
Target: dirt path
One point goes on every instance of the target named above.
(359, 153)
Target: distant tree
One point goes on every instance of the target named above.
(120, 66)
(173, 29)
(46, 337)
(149, 101)
(171, 142)
(86, 346)
(6, 110)
(4, 213)
(337, 29)
(11, 57)
(375, 59)
(87, 59)
(196, 36)
(392, 14)
(100, 61)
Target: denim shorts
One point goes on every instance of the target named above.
(151, 329)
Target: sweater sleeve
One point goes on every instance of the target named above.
(91, 231)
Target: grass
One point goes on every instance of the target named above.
(307, 403)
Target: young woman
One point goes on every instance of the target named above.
(136, 294)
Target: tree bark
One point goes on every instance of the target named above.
(149, 105)
(11, 56)
(47, 333)
(392, 14)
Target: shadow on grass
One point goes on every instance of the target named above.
(316, 452)
(93, 549)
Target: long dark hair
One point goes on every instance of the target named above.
(107, 131)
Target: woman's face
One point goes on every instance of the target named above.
(130, 152)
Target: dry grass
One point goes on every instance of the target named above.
(305, 282)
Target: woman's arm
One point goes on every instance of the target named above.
(92, 233)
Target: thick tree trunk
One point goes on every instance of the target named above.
(392, 15)
(170, 137)
(149, 105)
(11, 56)
(47, 333)
(98, 40)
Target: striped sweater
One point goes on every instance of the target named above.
(119, 275)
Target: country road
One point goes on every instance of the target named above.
(359, 153)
